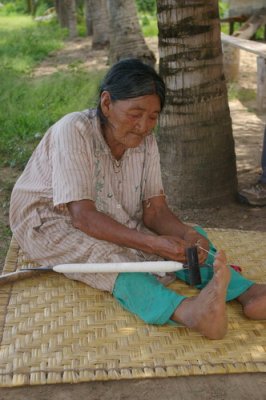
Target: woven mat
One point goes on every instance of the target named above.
(54, 330)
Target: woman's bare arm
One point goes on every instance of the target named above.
(94, 223)
(158, 217)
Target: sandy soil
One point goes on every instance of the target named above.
(247, 129)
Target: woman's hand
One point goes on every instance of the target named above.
(193, 238)
(170, 248)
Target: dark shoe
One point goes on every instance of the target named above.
(255, 195)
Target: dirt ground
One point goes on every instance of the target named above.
(248, 131)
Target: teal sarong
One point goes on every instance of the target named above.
(142, 294)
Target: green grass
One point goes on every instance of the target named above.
(28, 106)
(149, 25)
(24, 43)
(240, 93)
(5, 235)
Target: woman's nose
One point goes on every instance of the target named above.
(144, 125)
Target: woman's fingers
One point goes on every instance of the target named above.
(171, 248)
(220, 258)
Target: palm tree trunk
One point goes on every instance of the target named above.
(126, 37)
(61, 11)
(88, 16)
(195, 135)
(72, 19)
(100, 24)
(66, 12)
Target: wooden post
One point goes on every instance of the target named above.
(231, 57)
(261, 83)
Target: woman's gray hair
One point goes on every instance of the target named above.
(130, 78)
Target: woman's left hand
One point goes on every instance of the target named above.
(193, 238)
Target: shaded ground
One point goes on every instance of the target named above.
(247, 130)
(220, 387)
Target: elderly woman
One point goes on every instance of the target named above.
(92, 192)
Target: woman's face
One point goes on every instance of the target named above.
(129, 121)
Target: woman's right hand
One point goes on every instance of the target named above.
(170, 248)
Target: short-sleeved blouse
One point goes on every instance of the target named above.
(73, 162)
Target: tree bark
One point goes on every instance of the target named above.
(100, 23)
(72, 19)
(61, 11)
(195, 134)
(126, 37)
(66, 12)
(30, 7)
(88, 16)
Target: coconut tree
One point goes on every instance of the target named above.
(195, 135)
(99, 14)
(88, 16)
(126, 39)
(66, 12)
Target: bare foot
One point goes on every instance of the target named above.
(206, 313)
(254, 301)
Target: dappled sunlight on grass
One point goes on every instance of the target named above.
(25, 41)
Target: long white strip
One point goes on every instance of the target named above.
(145, 266)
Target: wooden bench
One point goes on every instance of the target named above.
(260, 50)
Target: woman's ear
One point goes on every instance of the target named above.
(105, 103)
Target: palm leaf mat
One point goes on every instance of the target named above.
(54, 330)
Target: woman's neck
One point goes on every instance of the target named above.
(117, 149)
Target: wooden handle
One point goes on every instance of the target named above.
(17, 276)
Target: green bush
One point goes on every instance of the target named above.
(41, 9)
(8, 9)
(12, 7)
(223, 9)
(146, 6)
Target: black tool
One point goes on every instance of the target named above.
(193, 266)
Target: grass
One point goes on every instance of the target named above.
(149, 25)
(28, 106)
(6, 185)
(24, 43)
(243, 94)
(5, 235)
(31, 105)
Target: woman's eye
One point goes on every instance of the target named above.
(135, 115)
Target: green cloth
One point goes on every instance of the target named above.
(143, 295)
